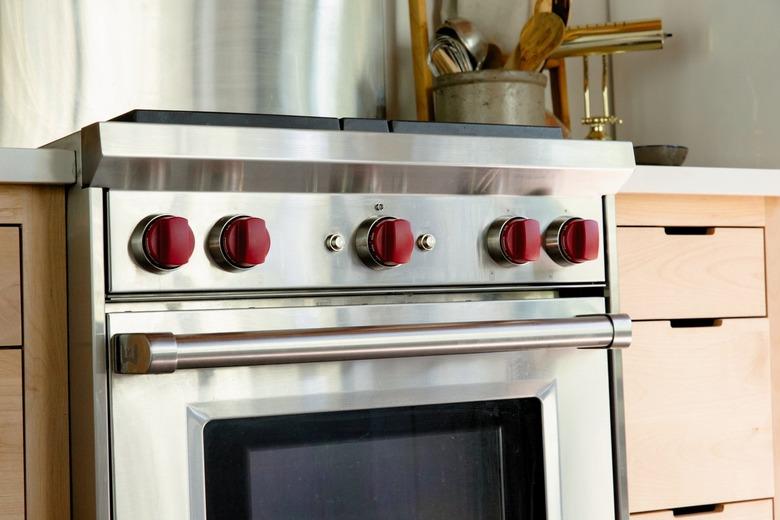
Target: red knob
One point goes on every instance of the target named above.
(169, 242)
(391, 241)
(245, 242)
(579, 240)
(521, 240)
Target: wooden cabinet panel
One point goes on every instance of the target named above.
(689, 210)
(37, 216)
(11, 436)
(665, 276)
(753, 510)
(698, 414)
(10, 288)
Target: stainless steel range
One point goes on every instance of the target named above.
(311, 319)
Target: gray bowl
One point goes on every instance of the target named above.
(660, 155)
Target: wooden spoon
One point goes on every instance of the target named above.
(543, 6)
(541, 35)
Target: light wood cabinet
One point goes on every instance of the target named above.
(669, 276)
(753, 510)
(11, 436)
(34, 450)
(10, 288)
(698, 414)
(698, 376)
(691, 211)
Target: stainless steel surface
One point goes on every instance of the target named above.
(615, 359)
(273, 299)
(491, 96)
(619, 455)
(552, 241)
(323, 324)
(154, 474)
(68, 64)
(161, 353)
(209, 158)
(87, 356)
(22, 166)
(298, 224)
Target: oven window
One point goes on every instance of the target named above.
(454, 461)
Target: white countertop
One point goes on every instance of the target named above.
(692, 180)
(37, 166)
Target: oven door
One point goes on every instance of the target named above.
(496, 435)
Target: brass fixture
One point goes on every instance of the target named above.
(598, 124)
(603, 40)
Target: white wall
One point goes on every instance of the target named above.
(500, 20)
(715, 87)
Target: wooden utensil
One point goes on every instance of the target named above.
(541, 35)
(423, 81)
(543, 6)
(443, 63)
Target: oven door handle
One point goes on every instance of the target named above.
(160, 353)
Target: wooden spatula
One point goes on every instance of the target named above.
(541, 35)
(543, 6)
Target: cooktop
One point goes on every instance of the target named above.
(176, 117)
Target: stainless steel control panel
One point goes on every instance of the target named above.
(315, 240)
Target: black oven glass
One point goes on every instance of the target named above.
(462, 461)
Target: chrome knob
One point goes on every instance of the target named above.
(335, 242)
(426, 242)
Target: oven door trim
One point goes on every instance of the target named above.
(199, 414)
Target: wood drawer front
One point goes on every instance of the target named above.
(10, 288)
(11, 436)
(698, 414)
(689, 210)
(691, 276)
(753, 510)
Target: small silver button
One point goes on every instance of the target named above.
(335, 242)
(426, 242)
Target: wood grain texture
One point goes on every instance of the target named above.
(691, 276)
(41, 213)
(773, 308)
(698, 414)
(423, 80)
(10, 288)
(753, 510)
(688, 210)
(11, 436)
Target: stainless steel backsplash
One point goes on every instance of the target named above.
(65, 64)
